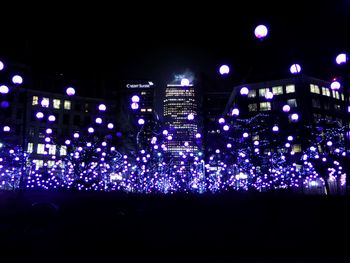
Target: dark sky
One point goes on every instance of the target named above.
(151, 40)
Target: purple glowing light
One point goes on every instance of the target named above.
(235, 112)
(260, 31)
(135, 99)
(341, 58)
(5, 104)
(286, 108)
(335, 85)
(295, 69)
(134, 105)
(70, 91)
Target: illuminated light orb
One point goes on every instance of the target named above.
(119, 134)
(47, 139)
(185, 82)
(135, 98)
(49, 131)
(295, 69)
(235, 112)
(39, 115)
(67, 142)
(244, 91)
(110, 125)
(256, 143)
(229, 145)
(170, 137)
(17, 79)
(295, 117)
(221, 120)
(245, 135)
(335, 85)
(165, 132)
(4, 104)
(4, 89)
(275, 128)
(45, 103)
(226, 127)
(190, 117)
(269, 95)
(1, 65)
(341, 59)
(98, 120)
(141, 121)
(154, 140)
(260, 31)
(198, 135)
(6, 128)
(102, 107)
(91, 130)
(186, 144)
(70, 91)
(217, 151)
(76, 135)
(290, 138)
(52, 118)
(329, 143)
(134, 105)
(224, 70)
(286, 108)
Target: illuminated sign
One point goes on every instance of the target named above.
(140, 85)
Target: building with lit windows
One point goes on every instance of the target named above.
(182, 121)
(293, 104)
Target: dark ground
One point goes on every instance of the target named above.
(232, 227)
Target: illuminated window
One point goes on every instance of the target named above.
(278, 90)
(326, 92)
(45, 102)
(67, 105)
(52, 149)
(262, 92)
(252, 93)
(30, 147)
(336, 94)
(41, 148)
(143, 110)
(252, 107)
(265, 106)
(342, 96)
(63, 150)
(314, 89)
(290, 88)
(50, 163)
(292, 103)
(56, 103)
(38, 164)
(35, 100)
(296, 148)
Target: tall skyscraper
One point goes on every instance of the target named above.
(182, 120)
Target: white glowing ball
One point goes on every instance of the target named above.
(102, 107)
(295, 117)
(1, 65)
(224, 70)
(295, 69)
(135, 98)
(52, 118)
(229, 145)
(17, 79)
(260, 31)
(335, 85)
(48, 130)
(185, 82)
(235, 112)
(70, 91)
(245, 135)
(198, 135)
(39, 115)
(226, 127)
(341, 58)
(110, 125)
(286, 108)
(98, 120)
(91, 130)
(6, 129)
(165, 132)
(244, 91)
(141, 121)
(275, 128)
(190, 117)
(67, 142)
(221, 120)
(4, 89)
(269, 95)
(76, 135)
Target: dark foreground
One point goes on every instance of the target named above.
(232, 227)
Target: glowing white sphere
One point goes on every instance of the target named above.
(6, 128)
(295, 117)
(245, 135)
(165, 132)
(244, 91)
(76, 135)
(335, 85)
(135, 98)
(39, 115)
(134, 105)
(4, 89)
(185, 82)
(170, 137)
(17, 79)
(198, 135)
(91, 130)
(110, 125)
(67, 142)
(229, 145)
(290, 138)
(269, 95)
(275, 128)
(329, 143)
(295, 69)
(341, 58)
(70, 91)
(102, 107)
(1, 65)
(226, 127)
(48, 130)
(224, 70)
(45, 103)
(221, 120)
(190, 117)
(235, 112)
(260, 31)
(286, 108)
(186, 144)
(98, 120)
(141, 121)
(52, 118)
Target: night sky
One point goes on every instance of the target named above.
(139, 41)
